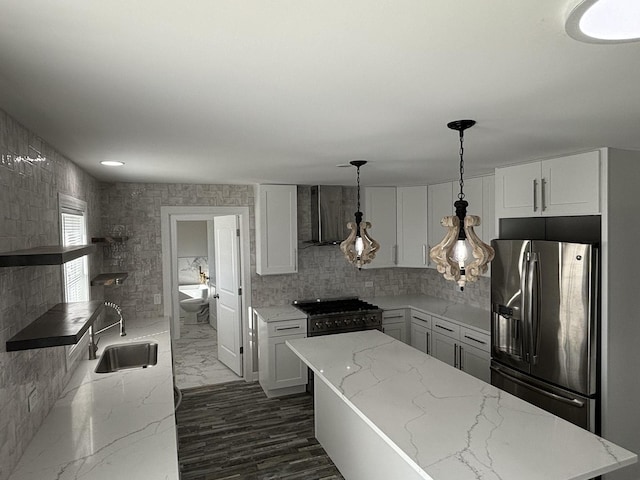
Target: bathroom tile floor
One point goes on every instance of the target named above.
(195, 357)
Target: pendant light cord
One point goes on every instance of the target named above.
(358, 170)
(461, 194)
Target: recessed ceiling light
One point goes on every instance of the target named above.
(605, 21)
(111, 163)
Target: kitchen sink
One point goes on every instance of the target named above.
(127, 355)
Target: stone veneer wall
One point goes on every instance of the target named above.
(133, 209)
(29, 218)
(476, 294)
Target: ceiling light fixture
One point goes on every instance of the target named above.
(605, 21)
(451, 255)
(359, 248)
(111, 163)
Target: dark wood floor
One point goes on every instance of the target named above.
(233, 431)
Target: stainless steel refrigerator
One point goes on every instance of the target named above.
(544, 326)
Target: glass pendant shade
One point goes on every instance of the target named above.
(461, 256)
(359, 248)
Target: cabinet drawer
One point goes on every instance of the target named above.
(420, 318)
(287, 327)
(446, 328)
(476, 339)
(394, 316)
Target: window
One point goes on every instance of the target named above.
(75, 273)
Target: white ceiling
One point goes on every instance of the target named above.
(282, 91)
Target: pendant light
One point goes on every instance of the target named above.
(461, 256)
(359, 248)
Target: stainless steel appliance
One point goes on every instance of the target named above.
(544, 326)
(339, 315)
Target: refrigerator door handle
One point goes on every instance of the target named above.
(534, 290)
(570, 401)
(525, 287)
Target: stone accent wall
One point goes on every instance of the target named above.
(133, 209)
(28, 218)
(476, 294)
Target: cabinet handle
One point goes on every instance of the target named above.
(428, 343)
(280, 329)
(418, 318)
(395, 316)
(460, 351)
(395, 254)
(543, 183)
(295, 257)
(455, 355)
(475, 340)
(535, 196)
(444, 328)
(424, 253)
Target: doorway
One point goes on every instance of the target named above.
(218, 330)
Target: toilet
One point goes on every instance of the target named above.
(194, 303)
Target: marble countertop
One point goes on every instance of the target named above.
(110, 425)
(447, 423)
(280, 313)
(449, 310)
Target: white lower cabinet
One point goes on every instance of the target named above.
(394, 324)
(462, 348)
(421, 331)
(475, 362)
(445, 349)
(280, 371)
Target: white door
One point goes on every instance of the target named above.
(227, 260)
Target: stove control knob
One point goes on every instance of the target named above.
(347, 321)
(328, 323)
(318, 325)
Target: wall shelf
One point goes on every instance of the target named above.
(109, 240)
(109, 279)
(50, 255)
(64, 324)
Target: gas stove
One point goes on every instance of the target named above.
(339, 315)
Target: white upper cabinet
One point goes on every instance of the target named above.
(440, 205)
(412, 227)
(559, 186)
(488, 209)
(276, 229)
(380, 210)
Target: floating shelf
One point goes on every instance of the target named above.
(51, 255)
(109, 279)
(109, 239)
(64, 324)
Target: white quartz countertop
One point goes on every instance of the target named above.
(447, 423)
(110, 425)
(447, 309)
(280, 313)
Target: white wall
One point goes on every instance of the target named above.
(621, 317)
(192, 238)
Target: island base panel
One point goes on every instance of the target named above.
(354, 447)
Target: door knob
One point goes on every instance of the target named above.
(216, 295)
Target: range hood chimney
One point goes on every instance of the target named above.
(327, 220)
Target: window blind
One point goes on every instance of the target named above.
(76, 275)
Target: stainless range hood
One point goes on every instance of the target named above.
(327, 220)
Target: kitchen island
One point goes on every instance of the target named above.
(386, 410)
(109, 426)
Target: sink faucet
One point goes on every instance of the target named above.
(93, 343)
